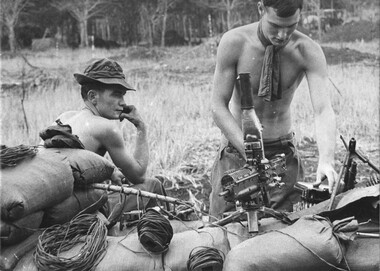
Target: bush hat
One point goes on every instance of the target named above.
(104, 71)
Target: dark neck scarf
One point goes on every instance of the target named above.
(270, 87)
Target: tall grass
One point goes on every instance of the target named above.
(354, 91)
(173, 98)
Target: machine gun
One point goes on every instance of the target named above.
(247, 186)
(312, 195)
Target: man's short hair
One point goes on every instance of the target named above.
(100, 87)
(284, 8)
(84, 89)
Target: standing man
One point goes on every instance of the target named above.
(278, 57)
(103, 87)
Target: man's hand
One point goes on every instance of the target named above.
(117, 177)
(130, 113)
(327, 170)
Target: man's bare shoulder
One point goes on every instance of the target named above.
(240, 35)
(100, 124)
(307, 47)
(67, 115)
(84, 122)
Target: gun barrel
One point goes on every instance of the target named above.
(129, 190)
(224, 193)
(248, 191)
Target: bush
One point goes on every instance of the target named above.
(361, 30)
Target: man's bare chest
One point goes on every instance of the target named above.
(291, 68)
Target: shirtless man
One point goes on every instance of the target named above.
(103, 87)
(245, 50)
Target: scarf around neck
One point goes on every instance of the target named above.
(270, 87)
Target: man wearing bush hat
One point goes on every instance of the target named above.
(103, 86)
(105, 71)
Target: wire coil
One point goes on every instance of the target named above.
(86, 229)
(155, 231)
(10, 156)
(204, 258)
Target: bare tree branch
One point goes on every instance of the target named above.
(82, 10)
(9, 12)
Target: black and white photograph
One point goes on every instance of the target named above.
(190, 135)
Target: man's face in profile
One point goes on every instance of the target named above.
(110, 102)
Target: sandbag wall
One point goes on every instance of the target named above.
(126, 252)
(46, 189)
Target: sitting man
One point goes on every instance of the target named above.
(103, 87)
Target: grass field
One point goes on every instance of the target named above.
(174, 90)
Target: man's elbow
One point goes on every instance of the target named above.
(325, 112)
(216, 112)
(326, 116)
(139, 180)
(134, 176)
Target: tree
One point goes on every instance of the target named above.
(163, 7)
(10, 11)
(226, 6)
(148, 20)
(82, 10)
(315, 5)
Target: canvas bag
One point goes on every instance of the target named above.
(35, 184)
(88, 200)
(308, 244)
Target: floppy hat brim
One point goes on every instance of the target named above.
(83, 79)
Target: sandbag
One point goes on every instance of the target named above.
(126, 253)
(342, 204)
(81, 199)
(10, 256)
(17, 231)
(363, 254)
(88, 167)
(308, 244)
(35, 184)
(237, 232)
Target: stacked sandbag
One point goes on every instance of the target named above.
(87, 168)
(47, 189)
(308, 244)
(126, 252)
(363, 254)
(81, 201)
(17, 231)
(34, 184)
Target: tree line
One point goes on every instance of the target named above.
(77, 23)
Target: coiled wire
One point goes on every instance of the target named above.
(87, 229)
(10, 156)
(155, 231)
(204, 257)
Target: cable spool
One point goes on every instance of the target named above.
(205, 259)
(11, 156)
(155, 231)
(86, 229)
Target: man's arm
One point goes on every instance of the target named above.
(133, 167)
(223, 86)
(324, 116)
